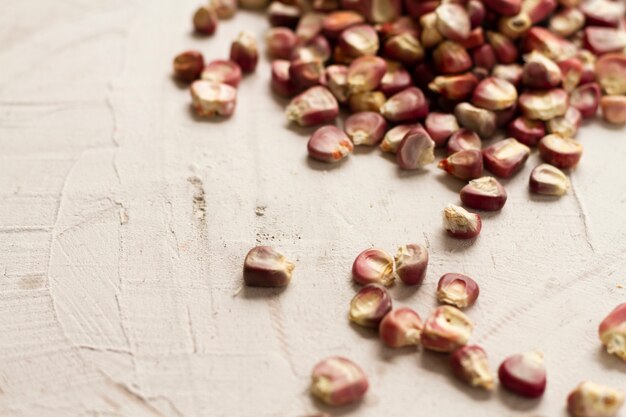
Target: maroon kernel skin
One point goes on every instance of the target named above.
(395, 80)
(305, 74)
(329, 144)
(504, 7)
(230, 72)
(246, 57)
(503, 169)
(467, 375)
(471, 287)
(412, 271)
(205, 20)
(314, 115)
(586, 99)
(188, 66)
(396, 324)
(336, 22)
(343, 390)
(412, 104)
(468, 234)
(523, 387)
(384, 305)
(471, 197)
(464, 139)
(558, 159)
(281, 82)
(526, 131)
(464, 165)
(259, 276)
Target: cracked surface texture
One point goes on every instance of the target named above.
(124, 222)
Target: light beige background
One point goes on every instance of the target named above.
(124, 222)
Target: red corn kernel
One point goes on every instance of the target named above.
(567, 22)
(544, 105)
(408, 104)
(225, 9)
(411, 263)
(503, 47)
(484, 193)
(395, 79)
(337, 81)
(315, 106)
(512, 73)
(538, 10)
(603, 12)
(529, 132)
(381, 11)
(325, 5)
(447, 329)
(280, 42)
(612, 332)
(416, 149)
(465, 165)
(594, 400)
(548, 180)
(418, 8)
(266, 267)
(205, 20)
(601, 40)
(336, 22)
(554, 47)
(506, 157)
(253, 4)
(366, 128)
(586, 99)
(484, 57)
(281, 14)
(561, 152)
(370, 305)
(464, 139)
(430, 36)
(614, 109)
(359, 40)
(405, 48)
(460, 223)
(309, 26)
(222, 71)
(329, 144)
(541, 72)
(306, 74)
(611, 73)
(481, 121)
(315, 48)
(281, 83)
(470, 365)
(394, 136)
(494, 94)
(368, 101)
(365, 74)
(453, 22)
(588, 61)
(505, 116)
(244, 52)
(476, 12)
(440, 126)
(403, 24)
(572, 72)
(566, 125)
(515, 26)
(423, 74)
(338, 381)
(401, 327)
(188, 66)
(451, 58)
(211, 98)
(504, 7)
(475, 39)
(373, 266)
(458, 290)
(454, 87)
(524, 374)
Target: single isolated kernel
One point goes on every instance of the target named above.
(464, 165)
(314, 106)
(338, 381)
(369, 306)
(506, 157)
(594, 400)
(524, 374)
(447, 329)
(205, 20)
(464, 140)
(401, 327)
(484, 193)
(460, 223)
(266, 267)
(612, 332)
(365, 128)
(211, 98)
(548, 180)
(559, 151)
(458, 290)
(329, 144)
(394, 136)
(222, 71)
(244, 52)
(411, 263)
(188, 66)
(373, 266)
(469, 363)
(416, 150)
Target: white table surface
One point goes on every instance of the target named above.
(124, 222)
